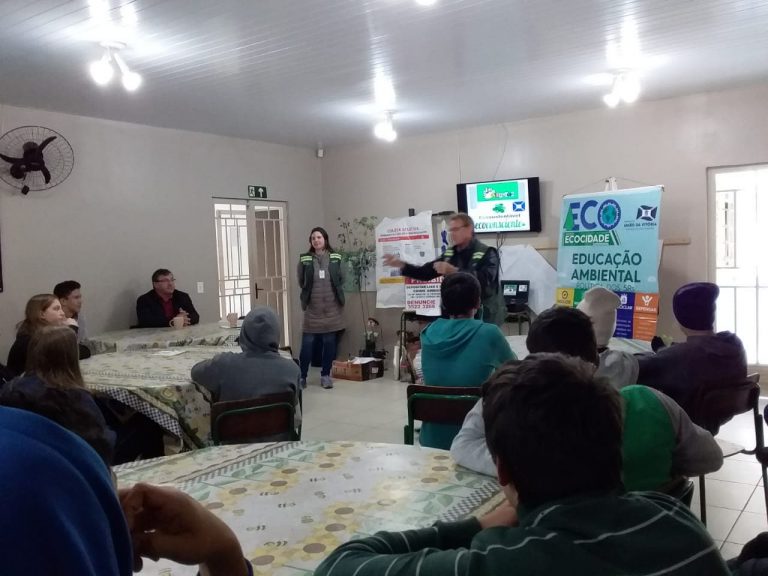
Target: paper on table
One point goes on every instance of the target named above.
(168, 353)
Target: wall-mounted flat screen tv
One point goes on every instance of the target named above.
(501, 205)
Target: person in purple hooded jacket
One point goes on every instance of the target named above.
(705, 358)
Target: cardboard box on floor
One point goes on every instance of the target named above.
(358, 371)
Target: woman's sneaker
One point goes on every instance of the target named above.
(326, 382)
(303, 383)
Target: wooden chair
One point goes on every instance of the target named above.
(254, 419)
(439, 405)
(717, 405)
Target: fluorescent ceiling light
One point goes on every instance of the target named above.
(425, 2)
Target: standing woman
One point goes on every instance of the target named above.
(42, 310)
(322, 298)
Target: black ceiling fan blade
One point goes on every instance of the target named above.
(45, 143)
(17, 171)
(46, 174)
(10, 159)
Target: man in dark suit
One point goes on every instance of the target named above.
(159, 306)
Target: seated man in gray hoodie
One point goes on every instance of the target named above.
(258, 370)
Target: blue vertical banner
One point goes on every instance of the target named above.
(611, 239)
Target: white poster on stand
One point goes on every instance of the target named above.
(408, 238)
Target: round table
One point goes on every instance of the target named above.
(292, 503)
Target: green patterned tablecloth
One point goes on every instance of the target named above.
(158, 387)
(210, 334)
(292, 503)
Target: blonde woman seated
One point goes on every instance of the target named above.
(41, 310)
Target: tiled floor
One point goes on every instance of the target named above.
(375, 411)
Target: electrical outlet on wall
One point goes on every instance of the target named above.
(200, 287)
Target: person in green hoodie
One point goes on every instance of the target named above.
(554, 430)
(459, 350)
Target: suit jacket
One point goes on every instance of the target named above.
(149, 309)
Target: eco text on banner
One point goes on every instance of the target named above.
(611, 239)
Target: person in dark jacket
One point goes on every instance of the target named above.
(70, 295)
(41, 310)
(706, 357)
(258, 370)
(321, 279)
(469, 255)
(163, 303)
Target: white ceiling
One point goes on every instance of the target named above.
(301, 71)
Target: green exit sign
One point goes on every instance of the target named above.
(257, 191)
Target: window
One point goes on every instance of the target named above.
(740, 202)
(232, 249)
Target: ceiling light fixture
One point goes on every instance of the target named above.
(385, 129)
(626, 88)
(425, 2)
(102, 70)
(131, 80)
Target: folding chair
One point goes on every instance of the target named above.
(715, 406)
(254, 419)
(439, 405)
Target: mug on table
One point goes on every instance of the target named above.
(177, 322)
(232, 320)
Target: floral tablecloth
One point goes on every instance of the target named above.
(292, 503)
(517, 343)
(210, 334)
(159, 387)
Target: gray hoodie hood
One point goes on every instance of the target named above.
(260, 331)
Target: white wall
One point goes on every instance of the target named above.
(670, 142)
(139, 198)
